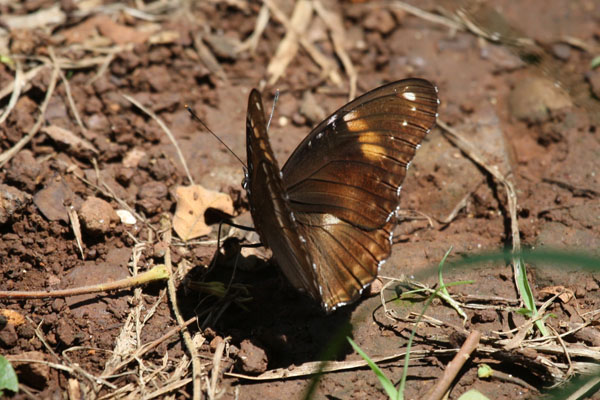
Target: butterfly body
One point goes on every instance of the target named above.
(328, 214)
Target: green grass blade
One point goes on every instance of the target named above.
(388, 386)
(526, 292)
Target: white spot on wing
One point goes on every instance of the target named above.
(398, 191)
(409, 96)
(389, 217)
(350, 116)
(319, 135)
(404, 123)
(329, 219)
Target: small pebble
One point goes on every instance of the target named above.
(96, 215)
(11, 201)
(251, 358)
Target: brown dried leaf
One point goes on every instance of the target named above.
(119, 34)
(12, 317)
(192, 203)
(565, 296)
(78, 145)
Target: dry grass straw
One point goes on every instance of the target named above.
(10, 153)
(167, 131)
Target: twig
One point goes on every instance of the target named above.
(288, 46)
(562, 343)
(436, 19)
(338, 36)
(208, 58)
(65, 82)
(212, 387)
(523, 329)
(28, 76)
(159, 272)
(453, 368)
(166, 130)
(326, 65)
(10, 153)
(502, 376)
(76, 228)
(18, 84)
(108, 192)
(518, 267)
(149, 346)
(315, 367)
(187, 339)
(261, 23)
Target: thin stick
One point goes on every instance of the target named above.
(261, 23)
(29, 75)
(19, 82)
(149, 346)
(159, 272)
(166, 130)
(427, 15)
(338, 36)
(187, 339)
(65, 82)
(476, 156)
(10, 153)
(454, 367)
(326, 65)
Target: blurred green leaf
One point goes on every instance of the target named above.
(473, 395)
(8, 377)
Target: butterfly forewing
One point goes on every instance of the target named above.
(328, 215)
(353, 163)
(270, 211)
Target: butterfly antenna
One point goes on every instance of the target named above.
(273, 109)
(193, 114)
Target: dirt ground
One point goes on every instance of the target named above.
(533, 122)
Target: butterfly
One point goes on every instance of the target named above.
(329, 213)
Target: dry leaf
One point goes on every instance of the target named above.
(565, 296)
(119, 34)
(13, 317)
(192, 203)
(78, 145)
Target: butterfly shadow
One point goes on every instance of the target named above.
(244, 296)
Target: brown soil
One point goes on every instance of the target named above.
(536, 134)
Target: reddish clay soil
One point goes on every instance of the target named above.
(541, 137)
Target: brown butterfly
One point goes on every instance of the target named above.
(329, 213)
